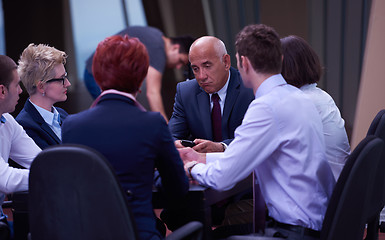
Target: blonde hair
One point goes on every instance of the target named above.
(37, 63)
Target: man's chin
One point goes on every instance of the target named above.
(12, 110)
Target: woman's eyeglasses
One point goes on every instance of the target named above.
(63, 79)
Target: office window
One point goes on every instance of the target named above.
(93, 20)
(2, 39)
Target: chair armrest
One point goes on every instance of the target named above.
(192, 230)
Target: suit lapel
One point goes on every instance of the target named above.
(39, 119)
(205, 114)
(47, 128)
(231, 96)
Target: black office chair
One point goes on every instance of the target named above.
(349, 206)
(348, 210)
(377, 128)
(74, 194)
(5, 231)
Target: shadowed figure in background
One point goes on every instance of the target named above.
(164, 52)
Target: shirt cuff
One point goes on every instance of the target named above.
(196, 169)
(211, 157)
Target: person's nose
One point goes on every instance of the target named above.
(67, 83)
(19, 90)
(201, 74)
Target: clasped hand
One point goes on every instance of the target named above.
(203, 146)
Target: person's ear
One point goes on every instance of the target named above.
(3, 91)
(226, 61)
(176, 47)
(245, 63)
(139, 90)
(40, 87)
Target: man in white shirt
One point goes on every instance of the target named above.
(280, 140)
(14, 142)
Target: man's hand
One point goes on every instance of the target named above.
(178, 144)
(188, 155)
(206, 146)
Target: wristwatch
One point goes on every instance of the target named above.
(223, 145)
(188, 166)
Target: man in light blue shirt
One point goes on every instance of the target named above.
(280, 140)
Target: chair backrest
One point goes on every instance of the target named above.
(377, 128)
(346, 214)
(74, 194)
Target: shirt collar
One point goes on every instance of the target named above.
(308, 86)
(269, 84)
(48, 116)
(2, 119)
(114, 91)
(222, 92)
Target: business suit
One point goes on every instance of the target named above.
(135, 142)
(191, 117)
(35, 126)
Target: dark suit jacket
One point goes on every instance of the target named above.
(191, 118)
(135, 143)
(35, 126)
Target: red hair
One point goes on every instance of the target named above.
(120, 63)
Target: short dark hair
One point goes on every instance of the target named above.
(301, 64)
(7, 65)
(261, 45)
(184, 42)
(121, 63)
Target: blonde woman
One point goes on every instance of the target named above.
(42, 72)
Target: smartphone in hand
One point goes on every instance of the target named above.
(187, 143)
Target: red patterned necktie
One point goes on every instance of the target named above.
(216, 118)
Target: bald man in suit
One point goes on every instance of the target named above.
(191, 118)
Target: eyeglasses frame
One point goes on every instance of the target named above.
(63, 79)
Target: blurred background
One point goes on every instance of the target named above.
(336, 29)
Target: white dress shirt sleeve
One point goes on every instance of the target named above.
(12, 179)
(23, 148)
(223, 170)
(17, 145)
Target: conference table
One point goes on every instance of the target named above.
(201, 198)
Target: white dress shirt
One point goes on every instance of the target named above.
(336, 139)
(281, 140)
(17, 145)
